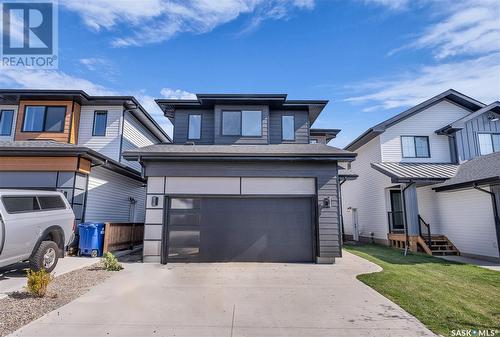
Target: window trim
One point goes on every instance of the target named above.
(106, 123)
(282, 135)
(491, 134)
(11, 122)
(415, 146)
(44, 118)
(201, 124)
(241, 123)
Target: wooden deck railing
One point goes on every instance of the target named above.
(122, 235)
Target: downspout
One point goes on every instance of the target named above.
(495, 212)
(407, 239)
(341, 211)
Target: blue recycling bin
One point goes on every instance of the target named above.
(91, 242)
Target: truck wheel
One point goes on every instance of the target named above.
(94, 253)
(45, 257)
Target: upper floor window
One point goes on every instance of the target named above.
(44, 118)
(488, 142)
(100, 123)
(6, 117)
(242, 123)
(287, 127)
(415, 146)
(194, 127)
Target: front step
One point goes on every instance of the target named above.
(440, 245)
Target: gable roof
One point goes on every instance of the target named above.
(451, 95)
(277, 101)
(130, 103)
(460, 123)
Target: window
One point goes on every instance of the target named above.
(415, 146)
(194, 127)
(51, 202)
(44, 118)
(287, 128)
(313, 141)
(242, 123)
(6, 117)
(100, 123)
(488, 142)
(20, 204)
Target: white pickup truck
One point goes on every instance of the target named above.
(34, 226)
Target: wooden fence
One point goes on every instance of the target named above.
(122, 235)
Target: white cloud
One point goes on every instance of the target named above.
(93, 63)
(176, 94)
(153, 21)
(391, 4)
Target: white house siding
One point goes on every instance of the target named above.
(465, 217)
(109, 144)
(135, 135)
(366, 194)
(12, 131)
(108, 197)
(424, 123)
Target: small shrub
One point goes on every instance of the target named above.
(38, 281)
(110, 262)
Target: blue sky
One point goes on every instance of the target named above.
(370, 58)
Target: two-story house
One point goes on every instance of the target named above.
(245, 179)
(429, 179)
(70, 141)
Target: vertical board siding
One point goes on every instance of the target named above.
(424, 123)
(301, 126)
(108, 197)
(220, 139)
(135, 135)
(108, 145)
(467, 141)
(14, 121)
(181, 123)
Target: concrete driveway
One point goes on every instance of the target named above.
(232, 299)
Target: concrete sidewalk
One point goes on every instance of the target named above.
(480, 263)
(232, 299)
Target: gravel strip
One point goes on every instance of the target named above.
(20, 308)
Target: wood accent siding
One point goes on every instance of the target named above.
(75, 123)
(62, 137)
(39, 164)
(84, 166)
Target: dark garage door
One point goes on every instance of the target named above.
(240, 229)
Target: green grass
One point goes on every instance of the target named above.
(443, 295)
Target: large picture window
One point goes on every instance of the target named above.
(287, 127)
(44, 118)
(242, 123)
(488, 143)
(100, 123)
(415, 146)
(194, 127)
(6, 117)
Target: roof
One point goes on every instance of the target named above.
(409, 172)
(276, 101)
(460, 123)
(240, 152)
(328, 133)
(13, 96)
(480, 170)
(451, 95)
(50, 148)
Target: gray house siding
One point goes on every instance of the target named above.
(181, 121)
(301, 126)
(328, 228)
(220, 139)
(467, 140)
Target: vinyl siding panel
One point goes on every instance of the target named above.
(14, 121)
(109, 144)
(467, 141)
(220, 139)
(181, 125)
(301, 126)
(424, 123)
(465, 217)
(108, 197)
(366, 194)
(135, 135)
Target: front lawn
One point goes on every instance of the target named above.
(443, 295)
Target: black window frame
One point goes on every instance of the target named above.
(189, 126)
(97, 112)
(45, 118)
(415, 146)
(240, 134)
(491, 134)
(40, 209)
(282, 133)
(11, 121)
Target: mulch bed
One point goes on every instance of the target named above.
(20, 308)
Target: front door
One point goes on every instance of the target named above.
(397, 215)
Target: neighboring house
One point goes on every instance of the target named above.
(69, 141)
(434, 167)
(241, 182)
